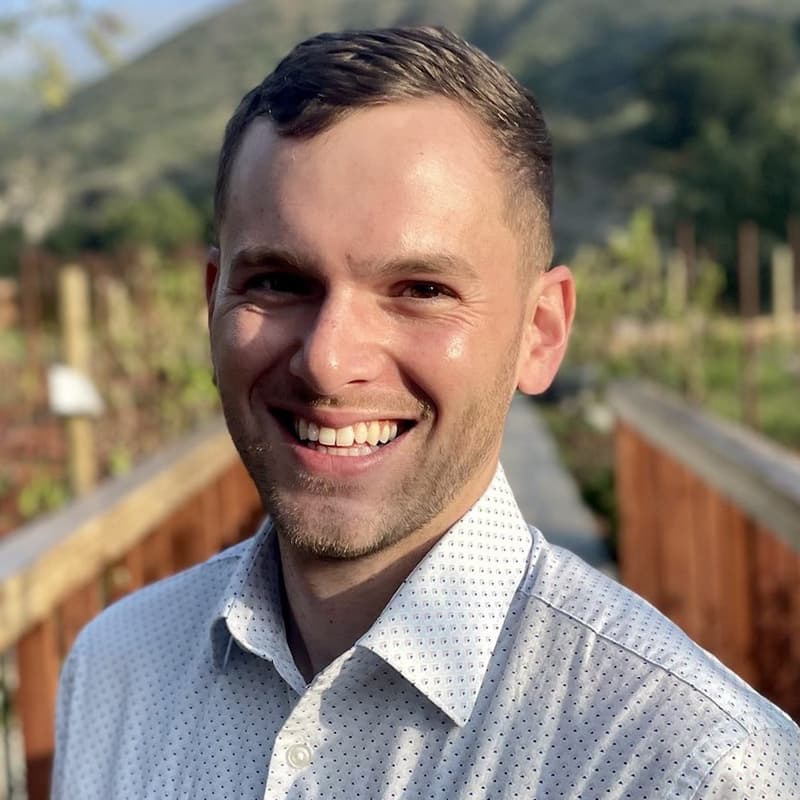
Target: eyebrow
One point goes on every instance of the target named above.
(435, 264)
(265, 255)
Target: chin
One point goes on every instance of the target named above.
(330, 531)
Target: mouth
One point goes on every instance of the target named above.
(361, 438)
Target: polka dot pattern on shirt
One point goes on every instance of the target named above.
(502, 667)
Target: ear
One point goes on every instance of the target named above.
(212, 277)
(550, 312)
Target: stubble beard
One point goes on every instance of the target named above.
(421, 496)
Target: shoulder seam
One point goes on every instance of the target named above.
(607, 638)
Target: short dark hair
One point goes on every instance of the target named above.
(330, 75)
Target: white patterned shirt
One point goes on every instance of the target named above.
(503, 667)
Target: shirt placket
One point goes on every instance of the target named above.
(296, 753)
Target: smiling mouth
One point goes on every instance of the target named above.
(359, 439)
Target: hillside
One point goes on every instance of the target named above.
(160, 118)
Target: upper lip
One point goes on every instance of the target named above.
(340, 418)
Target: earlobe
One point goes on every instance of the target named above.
(547, 330)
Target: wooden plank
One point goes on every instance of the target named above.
(76, 610)
(777, 621)
(639, 545)
(228, 500)
(44, 562)
(38, 663)
(239, 502)
(624, 445)
(678, 579)
(126, 575)
(755, 474)
(250, 501)
(209, 527)
(734, 534)
(190, 543)
(707, 553)
(157, 554)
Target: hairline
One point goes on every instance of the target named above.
(529, 221)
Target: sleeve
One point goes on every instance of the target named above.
(765, 764)
(66, 685)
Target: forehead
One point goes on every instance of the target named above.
(400, 177)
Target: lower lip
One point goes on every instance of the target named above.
(343, 466)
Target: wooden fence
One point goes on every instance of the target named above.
(176, 509)
(710, 534)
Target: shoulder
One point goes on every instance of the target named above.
(635, 636)
(644, 687)
(129, 668)
(764, 763)
(163, 612)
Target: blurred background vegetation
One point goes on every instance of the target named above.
(674, 123)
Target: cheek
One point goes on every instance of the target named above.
(456, 364)
(242, 339)
(456, 347)
(444, 363)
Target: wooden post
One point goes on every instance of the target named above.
(677, 284)
(685, 240)
(749, 303)
(73, 291)
(793, 237)
(9, 303)
(117, 321)
(39, 664)
(76, 611)
(30, 303)
(783, 300)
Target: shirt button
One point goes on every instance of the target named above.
(298, 756)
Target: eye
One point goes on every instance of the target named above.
(279, 283)
(425, 290)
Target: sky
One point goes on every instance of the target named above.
(146, 22)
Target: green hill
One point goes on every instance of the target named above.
(160, 117)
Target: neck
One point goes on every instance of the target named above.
(331, 603)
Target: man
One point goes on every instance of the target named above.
(379, 290)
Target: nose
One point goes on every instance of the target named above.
(341, 345)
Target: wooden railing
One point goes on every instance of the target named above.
(710, 534)
(176, 509)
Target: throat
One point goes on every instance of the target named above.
(329, 604)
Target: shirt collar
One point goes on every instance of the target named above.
(440, 628)
(250, 611)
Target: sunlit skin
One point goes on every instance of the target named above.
(371, 273)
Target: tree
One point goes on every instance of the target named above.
(163, 219)
(99, 29)
(725, 121)
(12, 242)
(723, 74)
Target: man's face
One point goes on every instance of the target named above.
(367, 284)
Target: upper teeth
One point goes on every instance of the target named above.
(371, 433)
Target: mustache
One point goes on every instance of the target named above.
(390, 404)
